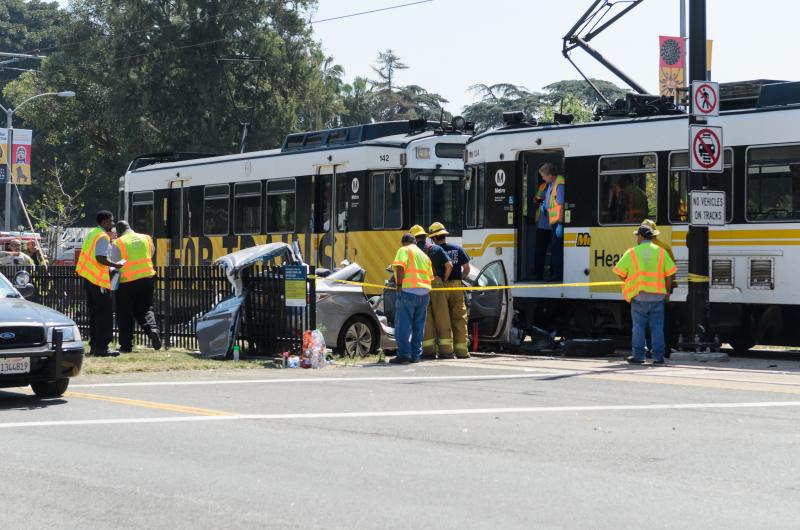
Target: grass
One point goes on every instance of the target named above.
(149, 360)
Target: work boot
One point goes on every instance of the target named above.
(445, 355)
(634, 360)
(464, 355)
(104, 353)
(155, 338)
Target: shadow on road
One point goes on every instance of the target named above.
(19, 401)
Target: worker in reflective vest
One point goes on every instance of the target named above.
(136, 284)
(646, 270)
(93, 266)
(550, 227)
(414, 275)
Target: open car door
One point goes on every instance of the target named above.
(491, 309)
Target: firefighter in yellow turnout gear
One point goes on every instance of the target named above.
(456, 307)
(438, 336)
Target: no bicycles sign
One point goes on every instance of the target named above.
(705, 146)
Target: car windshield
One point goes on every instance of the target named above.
(6, 289)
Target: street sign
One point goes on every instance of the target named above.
(705, 146)
(295, 285)
(705, 98)
(706, 208)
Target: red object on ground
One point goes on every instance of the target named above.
(474, 336)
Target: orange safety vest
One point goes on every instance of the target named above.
(644, 272)
(553, 208)
(88, 267)
(135, 250)
(417, 267)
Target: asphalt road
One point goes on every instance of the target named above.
(489, 443)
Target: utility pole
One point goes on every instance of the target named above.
(700, 337)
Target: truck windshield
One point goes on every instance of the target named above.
(437, 196)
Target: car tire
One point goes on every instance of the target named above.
(50, 389)
(588, 347)
(358, 337)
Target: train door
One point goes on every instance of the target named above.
(331, 219)
(531, 188)
(178, 215)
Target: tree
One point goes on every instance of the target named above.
(147, 79)
(499, 98)
(583, 92)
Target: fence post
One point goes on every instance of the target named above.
(166, 278)
(312, 298)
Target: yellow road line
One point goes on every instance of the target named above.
(150, 404)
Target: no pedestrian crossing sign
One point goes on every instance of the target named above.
(706, 208)
(705, 146)
(705, 98)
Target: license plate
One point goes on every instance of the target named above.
(15, 365)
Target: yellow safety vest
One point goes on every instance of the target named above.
(553, 208)
(135, 250)
(88, 267)
(417, 267)
(645, 268)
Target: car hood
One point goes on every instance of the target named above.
(241, 259)
(16, 311)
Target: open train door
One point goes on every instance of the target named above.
(491, 309)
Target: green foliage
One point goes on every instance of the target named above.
(580, 90)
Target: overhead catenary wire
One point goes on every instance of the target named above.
(388, 8)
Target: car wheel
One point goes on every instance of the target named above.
(358, 337)
(49, 389)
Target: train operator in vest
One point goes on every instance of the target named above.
(646, 270)
(93, 266)
(414, 275)
(455, 299)
(136, 284)
(550, 229)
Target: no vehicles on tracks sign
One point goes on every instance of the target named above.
(705, 146)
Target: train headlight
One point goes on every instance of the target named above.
(459, 123)
(423, 153)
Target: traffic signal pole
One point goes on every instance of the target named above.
(700, 337)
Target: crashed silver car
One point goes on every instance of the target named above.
(351, 322)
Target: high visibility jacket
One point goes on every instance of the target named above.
(644, 268)
(553, 208)
(135, 249)
(538, 199)
(88, 267)
(417, 267)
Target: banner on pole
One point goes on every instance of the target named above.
(671, 72)
(3, 159)
(21, 157)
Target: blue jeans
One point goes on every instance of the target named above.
(409, 324)
(556, 256)
(644, 314)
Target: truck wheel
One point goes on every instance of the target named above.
(742, 344)
(50, 389)
(358, 337)
(588, 347)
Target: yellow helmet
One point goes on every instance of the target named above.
(417, 231)
(437, 229)
(652, 226)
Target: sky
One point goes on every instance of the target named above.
(450, 45)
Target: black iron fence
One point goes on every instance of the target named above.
(183, 294)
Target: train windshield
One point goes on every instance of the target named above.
(438, 196)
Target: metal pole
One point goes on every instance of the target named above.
(683, 35)
(697, 240)
(9, 126)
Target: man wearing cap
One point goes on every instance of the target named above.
(550, 229)
(413, 277)
(455, 299)
(438, 335)
(136, 283)
(94, 267)
(646, 270)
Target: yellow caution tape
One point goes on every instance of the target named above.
(694, 278)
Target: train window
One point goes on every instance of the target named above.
(475, 203)
(438, 197)
(338, 135)
(142, 212)
(314, 139)
(216, 203)
(773, 183)
(386, 201)
(449, 150)
(247, 208)
(679, 185)
(280, 206)
(294, 141)
(627, 188)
